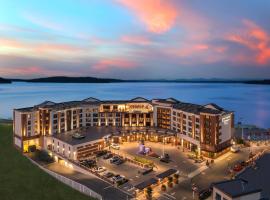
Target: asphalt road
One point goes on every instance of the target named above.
(215, 173)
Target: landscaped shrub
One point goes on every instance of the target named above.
(170, 179)
(143, 160)
(176, 178)
(149, 193)
(163, 187)
(43, 156)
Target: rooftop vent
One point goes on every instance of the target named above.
(78, 136)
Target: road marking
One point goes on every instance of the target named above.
(169, 196)
(108, 187)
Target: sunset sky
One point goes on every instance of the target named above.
(135, 39)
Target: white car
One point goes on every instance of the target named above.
(117, 178)
(235, 149)
(115, 146)
(100, 169)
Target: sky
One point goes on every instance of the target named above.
(135, 39)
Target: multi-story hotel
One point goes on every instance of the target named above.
(76, 129)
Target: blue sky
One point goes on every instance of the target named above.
(135, 39)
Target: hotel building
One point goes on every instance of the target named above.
(54, 126)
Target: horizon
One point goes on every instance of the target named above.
(160, 79)
(135, 40)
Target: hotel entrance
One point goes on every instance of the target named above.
(145, 136)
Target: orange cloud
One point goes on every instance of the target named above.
(201, 47)
(254, 38)
(158, 15)
(107, 64)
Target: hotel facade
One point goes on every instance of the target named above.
(205, 128)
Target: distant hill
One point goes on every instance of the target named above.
(64, 79)
(2, 80)
(263, 82)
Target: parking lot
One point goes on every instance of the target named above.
(133, 173)
(178, 159)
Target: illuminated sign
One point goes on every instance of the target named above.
(226, 119)
(139, 107)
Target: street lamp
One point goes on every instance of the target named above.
(242, 133)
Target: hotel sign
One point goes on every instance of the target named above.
(226, 119)
(139, 107)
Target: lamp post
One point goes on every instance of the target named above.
(163, 146)
(242, 133)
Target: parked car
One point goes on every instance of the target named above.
(237, 168)
(101, 153)
(100, 169)
(235, 149)
(114, 159)
(115, 146)
(88, 163)
(107, 156)
(204, 194)
(119, 162)
(122, 181)
(117, 178)
(243, 163)
(147, 171)
(108, 174)
(165, 158)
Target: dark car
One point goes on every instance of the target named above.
(108, 174)
(119, 162)
(107, 156)
(88, 163)
(101, 153)
(204, 194)
(114, 159)
(165, 158)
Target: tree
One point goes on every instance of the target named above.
(148, 193)
(175, 178)
(170, 179)
(163, 188)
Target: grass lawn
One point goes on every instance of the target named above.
(20, 179)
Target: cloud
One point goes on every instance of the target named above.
(107, 64)
(138, 40)
(255, 39)
(158, 15)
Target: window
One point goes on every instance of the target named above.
(218, 197)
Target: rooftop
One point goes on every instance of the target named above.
(95, 133)
(187, 107)
(236, 188)
(252, 179)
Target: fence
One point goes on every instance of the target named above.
(75, 185)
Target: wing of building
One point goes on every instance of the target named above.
(57, 126)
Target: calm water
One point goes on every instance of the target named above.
(250, 102)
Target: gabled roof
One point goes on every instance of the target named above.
(46, 103)
(91, 99)
(213, 106)
(140, 99)
(172, 100)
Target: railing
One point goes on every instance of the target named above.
(73, 184)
